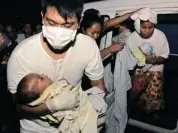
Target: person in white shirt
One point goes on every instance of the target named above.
(56, 52)
(150, 82)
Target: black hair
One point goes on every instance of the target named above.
(66, 8)
(141, 22)
(91, 11)
(89, 20)
(128, 24)
(24, 94)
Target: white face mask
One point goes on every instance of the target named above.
(58, 37)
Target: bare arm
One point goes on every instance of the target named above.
(31, 111)
(155, 60)
(111, 49)
(68, 100)
(105, 52)
(112, 23)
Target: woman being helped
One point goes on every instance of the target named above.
(151, 97)
(91, 25)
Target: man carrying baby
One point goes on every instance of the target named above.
(56, 52)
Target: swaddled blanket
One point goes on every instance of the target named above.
(83, 119)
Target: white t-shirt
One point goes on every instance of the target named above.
(30, 57)
(158, 41)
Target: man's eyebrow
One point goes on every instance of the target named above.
(69, 23)
(49, 19)
(52, 20)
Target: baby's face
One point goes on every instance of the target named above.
(40, 82)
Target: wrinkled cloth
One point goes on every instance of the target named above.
(140, 52)
(122, 36)
(116, 116)
(96, 97)
(139, 56)
(145, 14)
(82, 119)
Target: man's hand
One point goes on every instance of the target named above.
(1, 39)
(116, 47)
(67, 100)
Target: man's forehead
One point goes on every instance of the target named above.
(54, 15)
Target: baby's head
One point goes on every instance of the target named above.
(31, 87)
(146, 48)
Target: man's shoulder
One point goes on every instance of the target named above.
(84, 47)
(85, 41)
(28, 44)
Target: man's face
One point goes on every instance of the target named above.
(146, 29)
(54, 19)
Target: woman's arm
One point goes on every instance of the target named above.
(155, 60)
(111, 49)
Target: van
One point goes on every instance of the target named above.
(168, 23)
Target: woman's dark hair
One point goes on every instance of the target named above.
(128, 24)
(91, 11)
(89, 20)
(141, 22)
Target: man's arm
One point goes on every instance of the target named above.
(68, 100)
(31, 111)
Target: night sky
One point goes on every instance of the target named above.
(15, 11)
(21, 11)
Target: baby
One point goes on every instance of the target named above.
(35, 89)
(140, 52)
(147, 49)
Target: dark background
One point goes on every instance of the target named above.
(19, 12)
(22, 11)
